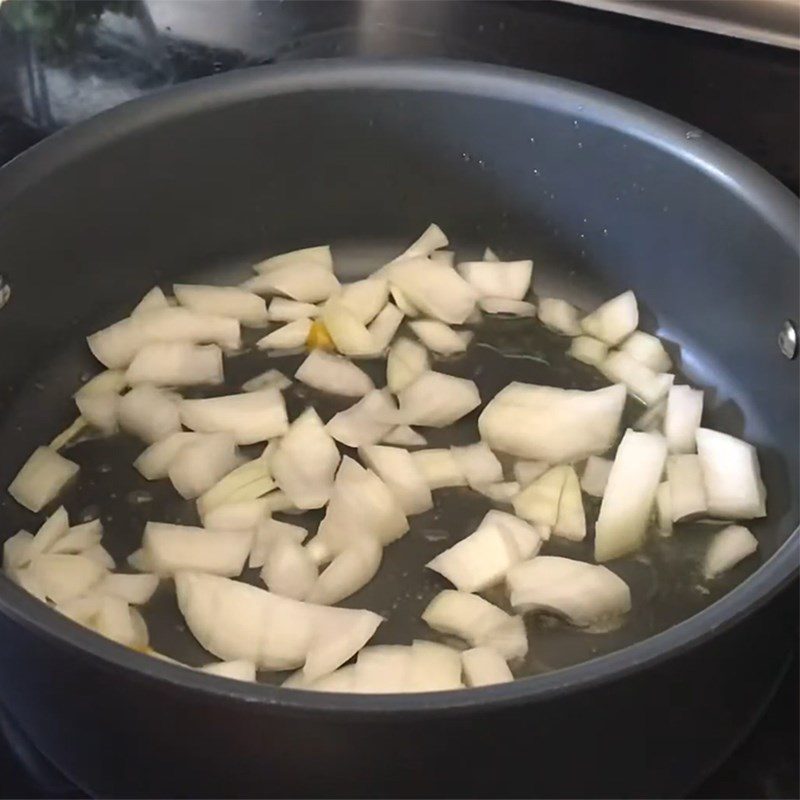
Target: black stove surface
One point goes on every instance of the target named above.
(61, 62)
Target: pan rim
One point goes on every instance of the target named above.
(764, 194)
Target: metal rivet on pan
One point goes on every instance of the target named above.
(787, 339)
(5, 290)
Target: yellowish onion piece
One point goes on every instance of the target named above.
(41, 478)
(484, 667)
(728, 547)
(319, 255)
(614, 320)
(201, 463)
(589, 350)
(507, 279)
(290, 336)
(441, 338)
(439, 468)
(436, 400)
(559, 315)
(407, 360)
(149, 413)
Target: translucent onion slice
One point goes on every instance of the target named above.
(365, 298)
(439, 468)
(595, 475)
(648, 350)
(287, 337)
(288, 569)
(16, 550)
(281, 309)
(244, 515)
(270, 379)
(473, 619)
(483, 558)
(383, 669)
(589, 350)
(201, 463)
(154, 462)
(305, 462)
(436, 400)
(404, 436)
(526, 472)
(65, 576)
(176, 364)
(435, 289)
(584, 594)
(507, 279)
(348, 332)
(484, 667)
(54, 528)
(432, 238)
(571, 520)
(539, 501)
(223, 301)
(441, 338)
(478, 463)
(512, 308)
(731, 476)
(251, 417)
(153, 300)
(334, 374)
(642, 382)
(116, 345)
(78, 538)
(407, 360)
(682, 416)
(268, 532)
(728, 547)
(366, 422)
(99, 409)
(560, 316)
(320, 255)
(383, 328)
(117, 621)
(41, 478)
(135, 590)
(402, 302)
(687, 492)
(630, 494)
(434, 667)
(173, 548)
(544, 423)
(398, 470)
(613, 320)
(68, 434)
(445, 256)
(234, 620)
(109, 380)
(150, 413)
(247, 482)
(239, 670)
(308, 283)
(350, 570)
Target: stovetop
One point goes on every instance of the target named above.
(61, 62)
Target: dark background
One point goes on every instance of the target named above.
(61, 62)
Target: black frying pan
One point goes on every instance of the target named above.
(604, 194)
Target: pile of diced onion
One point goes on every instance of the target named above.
(560, 444)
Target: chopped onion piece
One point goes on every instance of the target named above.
(307, 283)
(595, 475)
(176, 364)
(439, 468)
(109, 380)
(503, 492)
(140, 560)
(172, 548)
(288, 569)
(434, 667)
(348, 332)
(278, 501)
(383, 669)
(83, 609)
(149, 413)
(571, 521)
(247, 482)
(383, 328)
(445, 256)
(366, 422)
(682, 416)
(185, 325)
(201, 463)
(365, 298)
(154, 299)
(287, 337)
(99, 555)
(404, 436)
(398, 470)
(234, 620)
(648, 386)
(334, 374)
(507, 279)
(305, 461)
(436, 400)
(239, 670)
(133, 589)
(223, 301)
(687, 492)
(271, 379)
(16, 550)
(589, 350)
(154, 462)
(99, 409)
(78, 538)
(116, 345)
(268, 532)
(526, 472)
(117, 621)
(349, 571)
(54, 528)
(68, 434)
(251, 417)
(482, 559)
(490, 255)
(319, 255)
(475, 620)
(64, 576)
(25, 578)
(559, 315)
(478, 463)
(539, 501)
(501, 305)
(664, 509)
(731, 475)
(244, 515)
(651, 421)
(432, 238)
(41, 478)
(407, 360)
(441, 338)
(585, 594)
(630, 494)
(402, 302)
(613, 320)
(648, 350)
(281, 309)
(728, 547)
(435, 289)
(484, 667)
